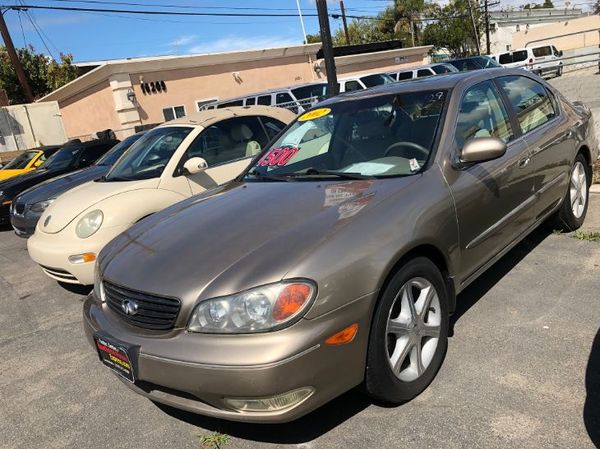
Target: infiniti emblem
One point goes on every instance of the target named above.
(47, 220)
(129, 306)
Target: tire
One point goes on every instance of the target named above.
(570, 218)
(391, 339)
(559, 72)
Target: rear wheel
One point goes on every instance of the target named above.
(409, 334)
(572, 213)
(559, 71)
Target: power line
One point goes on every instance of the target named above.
(22, 30)
(35, 27)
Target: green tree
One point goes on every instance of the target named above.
(597, 7)
(43, 73)
(452, 28)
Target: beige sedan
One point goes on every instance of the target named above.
(170, 163)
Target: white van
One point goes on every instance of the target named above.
(295, 98)
(542, 59)
(361, 82)
(423, 71)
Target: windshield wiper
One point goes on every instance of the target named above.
(338, 174)
(260, 175)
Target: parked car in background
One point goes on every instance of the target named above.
(28, 207)
(474, 63)
(353, 83)
(423, 71)
(74, 155)
(540, 60)
(336, 258)
(27, 161)
(168, 164)
(295, 98)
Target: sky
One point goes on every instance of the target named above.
(95, 36)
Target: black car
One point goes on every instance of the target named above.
(72, 156)
(474, 63)
(28, 207)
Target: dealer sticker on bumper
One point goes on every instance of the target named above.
(115, 356)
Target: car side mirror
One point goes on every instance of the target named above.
(560, 53)
(194, 165)
(481, 149)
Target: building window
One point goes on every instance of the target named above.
(200, 104)
(173, 112)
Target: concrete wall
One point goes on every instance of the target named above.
(547, 33)
(89, 111)
(27, 126)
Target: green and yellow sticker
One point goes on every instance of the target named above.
(314, 114)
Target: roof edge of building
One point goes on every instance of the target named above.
(108, 68)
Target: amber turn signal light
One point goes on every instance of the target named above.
(6, 203)
(344, 336)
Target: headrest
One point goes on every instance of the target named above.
(241, 132)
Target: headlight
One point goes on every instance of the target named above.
(41, 206)
(89, 224)
(98, 287)
(257, 310)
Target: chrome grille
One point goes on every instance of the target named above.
(153, 312)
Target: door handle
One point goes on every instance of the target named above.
(524, 162)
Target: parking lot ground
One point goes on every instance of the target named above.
(522, 369)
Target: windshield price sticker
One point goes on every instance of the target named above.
(277, 157)
(312, 115)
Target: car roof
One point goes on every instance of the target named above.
(443, 81)
(207, 117)
(268, 92)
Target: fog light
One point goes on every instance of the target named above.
(271, 404)
(82, 258)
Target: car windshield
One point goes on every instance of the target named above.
(148, 157)
(63, 158)
(117, 151)
(21, 161)
(391, 135)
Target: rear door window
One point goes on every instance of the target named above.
(264, 100)
(250, 101)
(353, 85)
(505, 58)
(519, 56)
(422, 73)
(405, 75)
(529, 101)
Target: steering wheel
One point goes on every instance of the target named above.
(414, 146)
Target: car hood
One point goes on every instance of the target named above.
(13, 186)
(54, 187)
(68, 206)
(241, 235)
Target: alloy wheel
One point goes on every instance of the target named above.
(578, 190)
(413, 329)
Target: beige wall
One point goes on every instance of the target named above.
(547, 32)
(89, 111)
(186, 86)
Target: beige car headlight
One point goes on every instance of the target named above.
(89, 224)
(259, 309)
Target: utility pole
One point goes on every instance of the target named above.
(327, 47)
(474, 28)
(345, 22)
(488, 46)
(14, 59)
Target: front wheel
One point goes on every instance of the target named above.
(409, 334)
(572, 213)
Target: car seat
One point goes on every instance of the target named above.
(241, 135)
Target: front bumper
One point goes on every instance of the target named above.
(196, 372)
(24, 224)
(52, 251)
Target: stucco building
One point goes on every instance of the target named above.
(128, 94)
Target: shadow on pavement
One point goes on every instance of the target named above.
(76, 288)
(300, 431)
(353, 402)
(591, 410)
(474, 292)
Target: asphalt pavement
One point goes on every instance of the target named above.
(522, 369)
